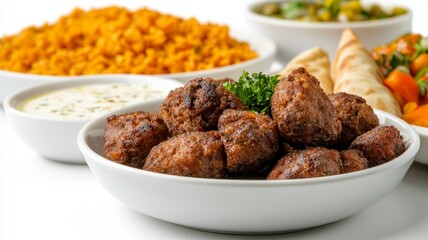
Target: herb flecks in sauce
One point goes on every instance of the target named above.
(89, 101)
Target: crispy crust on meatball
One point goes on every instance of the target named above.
(353, 160)
(312, 162)
(355, 115)
(196, 154)
(380, 144)
(128, 138)
(198, 105)
(304, 114)
(251, 140)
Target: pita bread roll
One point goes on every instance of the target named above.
(355, 72)
(316, 63)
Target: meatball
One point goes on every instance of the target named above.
(312, 162)
(128, 138)
(250, 140)
(198, 105)
(353, 160)
(304, 114)
(196, 154)
(285, 148)
(380, 144)
(355, 115)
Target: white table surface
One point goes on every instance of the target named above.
(42, 199)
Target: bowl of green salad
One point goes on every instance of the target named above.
(297, 25)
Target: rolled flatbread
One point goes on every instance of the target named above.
(316, 63)
(355, 72)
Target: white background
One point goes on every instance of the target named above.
(41, 199)
(17, 14)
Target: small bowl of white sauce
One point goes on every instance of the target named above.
(48, 117)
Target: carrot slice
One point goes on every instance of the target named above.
(380, 51)
(403, 84)
(404, 47)
(410, 107)
(412, 38)
(418, 117)
(419, 63)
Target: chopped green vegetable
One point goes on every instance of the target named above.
(254, 90)
(421, 73)
(399, 60)
(403, 69)
(293, 9)
(419, 50)
(326, 10)
(423, 86)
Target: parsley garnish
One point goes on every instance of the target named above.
(254, 90)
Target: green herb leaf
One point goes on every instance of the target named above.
(423, 85)
(419, 50)
(421, 73)
(254, 90)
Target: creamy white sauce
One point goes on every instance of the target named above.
(89, 101)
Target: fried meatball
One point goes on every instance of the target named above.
(259, 174)
(312, 162)
(380, 144)
(128, 138)
(304, 114)
(353, 160)
(285, 148)
(198, 105)
(250, 139)
(355, 115)
(196, 154)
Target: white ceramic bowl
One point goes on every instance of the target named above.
(245, 206)
(293, 37)
(56, 138)
(422, 156)
(11, 81)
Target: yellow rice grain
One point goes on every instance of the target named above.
(117, 40)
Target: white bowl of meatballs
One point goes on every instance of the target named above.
(201, 159)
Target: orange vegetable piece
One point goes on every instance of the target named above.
(404, 47)
(418, 117)
(412, 38)
(419, 63)
(403, 84)
(381, 50)
(410, 107)
(400, 99)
